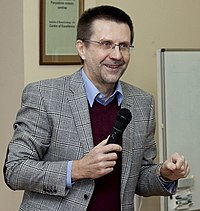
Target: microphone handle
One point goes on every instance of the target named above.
(114, 136)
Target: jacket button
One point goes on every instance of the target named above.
(85, 196)
(44, 189)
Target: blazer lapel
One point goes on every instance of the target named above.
(79, 106)
(127, 142)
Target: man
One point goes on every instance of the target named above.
(59, 153)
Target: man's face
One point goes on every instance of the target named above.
(106, 66)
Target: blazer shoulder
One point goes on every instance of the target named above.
(49, 83)
(132, 90)
(58, 83)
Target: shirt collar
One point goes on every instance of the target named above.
(93, 93)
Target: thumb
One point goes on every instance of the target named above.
(171, 166)
(168, 165)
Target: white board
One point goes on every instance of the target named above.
(179, 118)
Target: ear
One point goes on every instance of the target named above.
(81, 49)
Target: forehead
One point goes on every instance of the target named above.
(110, 30)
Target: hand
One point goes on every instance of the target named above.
(175, 167)
(97, 163)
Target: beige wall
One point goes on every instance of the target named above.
(11, 84)
(158, 24)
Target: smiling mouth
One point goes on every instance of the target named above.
(112, 66)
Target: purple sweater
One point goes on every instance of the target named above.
(106, 196)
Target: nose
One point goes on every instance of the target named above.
(116, 53)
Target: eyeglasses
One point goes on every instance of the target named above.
(109, 45)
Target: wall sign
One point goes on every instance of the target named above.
(58, 20)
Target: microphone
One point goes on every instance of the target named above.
(123, 118)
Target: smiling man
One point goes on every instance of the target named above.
(59, 153)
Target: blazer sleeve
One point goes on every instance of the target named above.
(149, 183)
(25, 168)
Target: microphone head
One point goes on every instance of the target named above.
(124, 116)
(122, 120)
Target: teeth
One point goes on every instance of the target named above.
(112, 66)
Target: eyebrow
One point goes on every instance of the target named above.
(126, 42)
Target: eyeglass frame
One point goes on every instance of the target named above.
(112, 46)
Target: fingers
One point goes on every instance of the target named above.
(176, 167)
(178, 160)
(104, 152)
(183, 167)
(106, 148)
(100, 160)
(180, 164)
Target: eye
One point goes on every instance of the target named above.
(124, 45)
(106, 44)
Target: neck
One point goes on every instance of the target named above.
(106, 89)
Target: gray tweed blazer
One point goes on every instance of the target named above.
(53, 127)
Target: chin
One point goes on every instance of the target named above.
(112, 80)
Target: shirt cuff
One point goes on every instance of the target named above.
(170, 186)
(69, 174)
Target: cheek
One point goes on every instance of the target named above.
(96, 58)
(127, 59)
